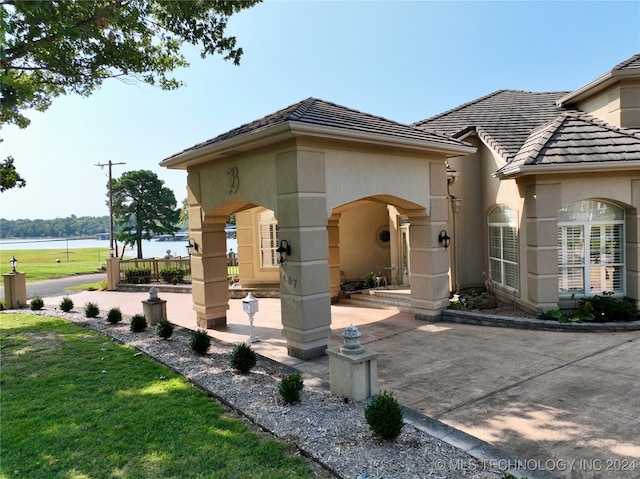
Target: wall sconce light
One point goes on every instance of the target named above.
(283, 250)
(191, 246)
(444, 239)
(13, 262)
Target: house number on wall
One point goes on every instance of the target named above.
(233, 179)
(286, 279)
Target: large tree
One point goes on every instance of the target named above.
(142, 207)
(51, 48)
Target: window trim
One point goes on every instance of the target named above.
(511, 224)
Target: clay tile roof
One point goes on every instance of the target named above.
(504, 119)
(575, 137)
(631, 63)
(325, 114)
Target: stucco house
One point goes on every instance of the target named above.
(539, 191)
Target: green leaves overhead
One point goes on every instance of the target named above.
(58, 47)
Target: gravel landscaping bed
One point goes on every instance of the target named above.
(328, 430)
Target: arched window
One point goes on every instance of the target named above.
(591, 248)
(503, 246)
(268, 226)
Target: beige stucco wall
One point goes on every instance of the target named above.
(618, 105)
(360, 250)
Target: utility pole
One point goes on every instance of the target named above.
(110, 164)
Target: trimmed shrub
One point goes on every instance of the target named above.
(164, 329)
(66, 304)
(114, 315)
(200, 341)
(172, 274)
(138, 323)
(91, 310)
(36, 303)
(243, 358)
(384, 416)
(137, 276)
(290, 388)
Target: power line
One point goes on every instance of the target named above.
(110, 164)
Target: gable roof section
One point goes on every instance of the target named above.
(315, 115)
(503, 119)
(575, 137)
(629, 68)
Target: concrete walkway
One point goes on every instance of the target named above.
(566, 402)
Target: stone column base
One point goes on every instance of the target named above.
(154, 310)
(212, 323)
(354, 376)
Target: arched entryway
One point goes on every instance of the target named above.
(305, 163)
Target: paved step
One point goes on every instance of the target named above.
(380, 299)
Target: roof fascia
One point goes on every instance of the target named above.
(596, 86)
(292, 129)
(333, 133)
(527, 170)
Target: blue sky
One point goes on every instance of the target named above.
(405, 61)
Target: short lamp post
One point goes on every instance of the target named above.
(250, 306)
(13, 262)
(15, 288)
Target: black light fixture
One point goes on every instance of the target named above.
(13, 262)
(444, 239)
(283, 250)
(191, 246)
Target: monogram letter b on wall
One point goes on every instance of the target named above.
(233, 179)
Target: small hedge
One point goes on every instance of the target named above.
(385, 416)
(91, 310)
(172, 275)
(137, 276)
(66, 304)
(138, 323)
(243, 358)
(36, 304)
(114, 315)
(290, 388)
(164, 329)
(200, 341)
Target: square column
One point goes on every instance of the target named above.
(304, 276)
(15, 290)
(210, 289)
(542, 203)
(333, 232)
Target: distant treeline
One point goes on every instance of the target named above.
(57, 228)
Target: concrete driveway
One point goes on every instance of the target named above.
(563, 401)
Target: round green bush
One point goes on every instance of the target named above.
(91, 310)
(243, 358)
(164, 329)
(138, 323)
(384, 416)
(36, 304)
(290, 388)
(200, 341)
(114, 315)
(66, 304)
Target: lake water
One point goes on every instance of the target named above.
(150, 248)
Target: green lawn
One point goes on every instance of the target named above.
(40, 264)
(76, 405)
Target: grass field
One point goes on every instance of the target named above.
(78, 405)
(41, 264)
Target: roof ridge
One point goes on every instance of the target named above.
(303, 107)
(459, 107)
(581, 115)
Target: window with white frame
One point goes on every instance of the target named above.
(503, 246)
(268, 227)
(590, 248)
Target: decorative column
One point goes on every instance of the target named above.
(542, 203)
(429, 276)
(333, 232)
(632, 247)
(15, 290)
(154, 308)
(210, 288)
(304, 276)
